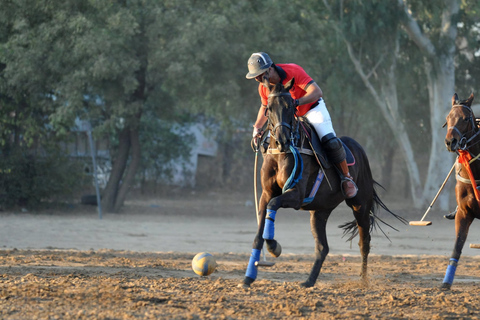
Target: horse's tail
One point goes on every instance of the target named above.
(351, 228)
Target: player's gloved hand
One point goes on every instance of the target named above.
(257, 132)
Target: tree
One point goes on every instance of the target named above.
(370, 33)
(439, 69)
(111, 62)
(87, 60)
(367, 26)
(33, 168)
(122, 65)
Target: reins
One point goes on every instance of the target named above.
(294, 178)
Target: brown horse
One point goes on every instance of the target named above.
(463, 138)
(289, 179)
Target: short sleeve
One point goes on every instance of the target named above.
(263, 94)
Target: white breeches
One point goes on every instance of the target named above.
(320, 119)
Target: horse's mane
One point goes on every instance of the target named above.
(278, 87)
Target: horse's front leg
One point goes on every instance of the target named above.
(463, 220)
(289, 199)
(252, 268)
(268, 207)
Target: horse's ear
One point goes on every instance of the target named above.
(289, 84)
(470, 99)
(454, 98)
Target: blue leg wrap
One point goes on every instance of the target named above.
(452, 267)
(252, 269)
(269, 230)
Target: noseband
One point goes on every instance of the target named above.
(463, 143)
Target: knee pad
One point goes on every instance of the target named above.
(334, 148)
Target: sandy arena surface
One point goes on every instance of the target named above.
(70, 264)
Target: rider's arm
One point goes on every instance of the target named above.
(261, 119)
(313, 94)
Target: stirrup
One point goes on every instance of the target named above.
(347, 179)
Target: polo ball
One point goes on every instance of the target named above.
(204, 264)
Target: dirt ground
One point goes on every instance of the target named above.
(69, 264)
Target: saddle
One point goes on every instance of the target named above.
(307, 143)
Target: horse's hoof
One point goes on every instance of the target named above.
(243, 285)
(274, 248)
(246, 282)
(445, 286)
(307, 284)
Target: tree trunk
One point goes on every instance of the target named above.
(118, 168)
(387, 101)
(387, 167)
(440, 72)
(129, 179)
(130, 136)
(441, 83)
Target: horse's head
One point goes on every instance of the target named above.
(460, 123)
(281, 112)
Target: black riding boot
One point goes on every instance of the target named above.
(451, 215)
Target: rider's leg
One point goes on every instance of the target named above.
(336, 153)
(321, 121)
(451, 215)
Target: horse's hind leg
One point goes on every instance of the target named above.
(318, 223)
(462, 225)
(362, 215)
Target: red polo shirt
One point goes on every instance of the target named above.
(286, 72)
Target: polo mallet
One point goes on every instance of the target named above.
(427, 223)
(259, 263)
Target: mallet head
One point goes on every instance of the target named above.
(420, 223)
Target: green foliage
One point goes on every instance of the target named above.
(146, 64)
(161, 142)
(467, 77)
(27, 179)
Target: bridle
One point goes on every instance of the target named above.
(465, 143)
(465, 157)
(296, 174)
(283, 123)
